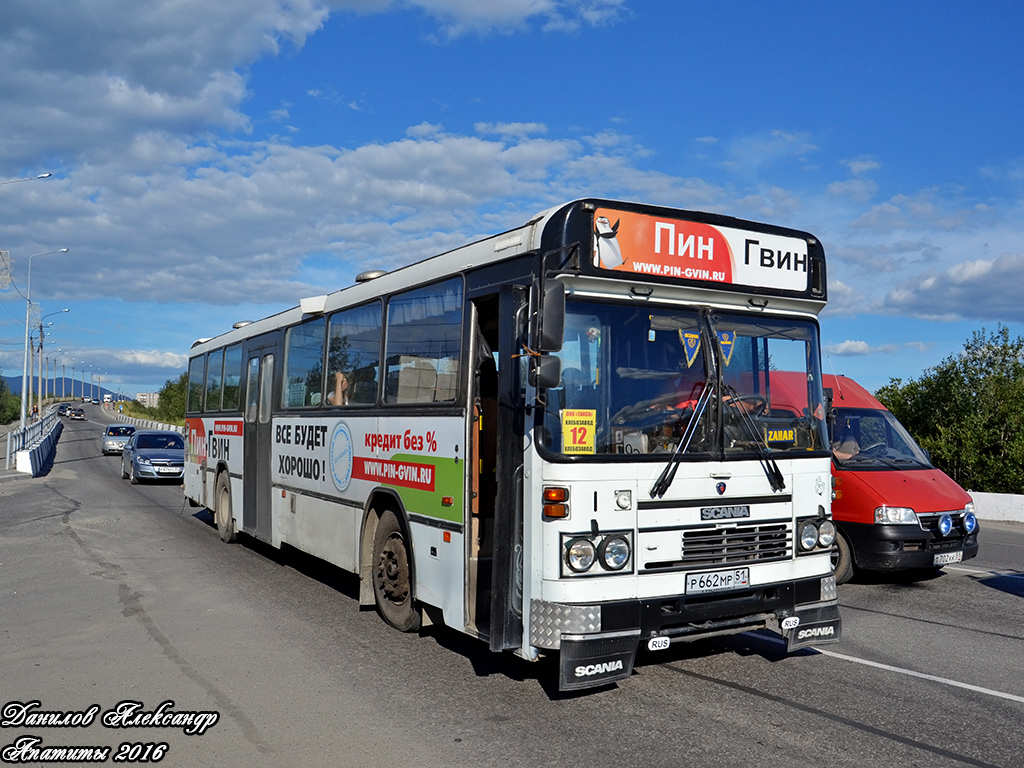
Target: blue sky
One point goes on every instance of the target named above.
(215, 162)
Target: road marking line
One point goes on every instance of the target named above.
(982, 572)
(902, 671)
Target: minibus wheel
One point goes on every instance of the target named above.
(842, 560)
(392, 575)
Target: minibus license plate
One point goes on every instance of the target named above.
(945, 558)
(717, 581)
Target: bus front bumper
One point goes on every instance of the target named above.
(598, 643)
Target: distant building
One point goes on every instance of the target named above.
(148, 399)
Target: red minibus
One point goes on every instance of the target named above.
(893, 509)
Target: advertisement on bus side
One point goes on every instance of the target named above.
(349, 457)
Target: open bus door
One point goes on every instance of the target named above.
(495, 584)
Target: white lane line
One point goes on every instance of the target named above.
(982, 572)
(901, 671)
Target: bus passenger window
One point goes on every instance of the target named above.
(303, 365)
(353, 356)
(424, 344)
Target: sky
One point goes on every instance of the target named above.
(218, 161)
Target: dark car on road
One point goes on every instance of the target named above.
(153, 455)
(115, 436)
(77, 413)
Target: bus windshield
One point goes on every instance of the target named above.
(632, 380)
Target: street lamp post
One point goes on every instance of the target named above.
(28, 311)
(43, 384)
(27, 178)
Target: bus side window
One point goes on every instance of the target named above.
(423, 344)
(304, 365)
(353, 356)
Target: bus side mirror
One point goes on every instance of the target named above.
(545, 371)
(547, 327)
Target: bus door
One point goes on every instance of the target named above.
(496, 576)
(256, 519)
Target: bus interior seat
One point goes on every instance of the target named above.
(417, 380)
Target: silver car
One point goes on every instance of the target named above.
(153, 455)
(115, 436)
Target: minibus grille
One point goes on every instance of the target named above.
(712, 547)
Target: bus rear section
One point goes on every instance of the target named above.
(893, 508)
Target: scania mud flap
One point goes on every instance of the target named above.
(817, 626)
(589, 662)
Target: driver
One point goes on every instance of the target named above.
(846, 445)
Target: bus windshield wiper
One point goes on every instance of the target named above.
(768, 464)
(669, 473)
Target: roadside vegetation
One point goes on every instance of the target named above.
(171, 407)
(968, 412)
(10, 404)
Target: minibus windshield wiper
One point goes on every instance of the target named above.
(669, 473)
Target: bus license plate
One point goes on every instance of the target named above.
(945, 558)
(717, 581)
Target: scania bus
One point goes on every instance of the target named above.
(560, 439)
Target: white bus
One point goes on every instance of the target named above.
(560, 439)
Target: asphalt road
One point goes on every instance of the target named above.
(115, 599)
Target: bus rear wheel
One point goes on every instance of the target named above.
(392, 575)
(225, 525)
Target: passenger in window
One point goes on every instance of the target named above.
(339, 395)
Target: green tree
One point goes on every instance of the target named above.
(968, 412)
(171, 408)
(10, 404)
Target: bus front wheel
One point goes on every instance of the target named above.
(392, 575)
(225, 525)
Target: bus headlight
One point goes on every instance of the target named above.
(808, 535)
(895, 516)
(826, 534)
(614, 553)
(580, 554)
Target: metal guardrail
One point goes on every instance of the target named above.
(19, 439)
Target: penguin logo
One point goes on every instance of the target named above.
(607, 254)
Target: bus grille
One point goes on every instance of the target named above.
(712, 547)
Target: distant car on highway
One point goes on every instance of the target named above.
(76, 413)
(115, 436)
(153, 455)
(62, 409)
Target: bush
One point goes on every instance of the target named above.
(968, 412)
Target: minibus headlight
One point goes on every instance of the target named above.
(945, 525)
(826, 533)
(970, 520)
(614, 553)
(895, 516)
(808, 535)
(580, 554)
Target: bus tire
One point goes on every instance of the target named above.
(392, 575)
(225, 525)
(842, 560)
